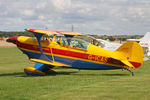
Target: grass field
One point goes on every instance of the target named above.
(69, 84)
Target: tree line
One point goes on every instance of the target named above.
(10, 34)
(104, 37)
(117, 38)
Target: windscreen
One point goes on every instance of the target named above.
(72, 42)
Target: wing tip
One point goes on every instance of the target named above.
(29, 29)
(26, 29)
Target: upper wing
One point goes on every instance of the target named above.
(51, 32)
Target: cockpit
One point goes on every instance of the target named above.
(72, 42)
(78, 42)
(66, 41)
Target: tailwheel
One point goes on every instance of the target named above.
(129, 71)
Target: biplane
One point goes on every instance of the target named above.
(63, 49)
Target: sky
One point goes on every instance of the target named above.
(109, 17)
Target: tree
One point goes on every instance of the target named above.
(111, 38)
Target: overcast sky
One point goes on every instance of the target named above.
(108, 17)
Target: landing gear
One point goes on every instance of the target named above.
(40, 70)
(36, 72)
(129, 71)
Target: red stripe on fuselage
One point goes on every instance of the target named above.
(70, 53)
(28, 46)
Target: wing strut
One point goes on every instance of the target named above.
(54, 40)
(52, 54)
(38, 37)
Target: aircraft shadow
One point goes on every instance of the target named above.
(72, 73)
(101, 74)
(115, 74)
(13, 74)
(22, 74)
(66, 73)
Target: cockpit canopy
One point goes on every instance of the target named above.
(80, 42)
(67, 41)
(73, 42)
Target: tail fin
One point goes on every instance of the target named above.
(133, 52)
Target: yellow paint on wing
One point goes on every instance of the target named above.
(50, 63)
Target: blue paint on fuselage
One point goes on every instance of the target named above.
(79, 64)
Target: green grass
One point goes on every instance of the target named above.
(69, 84)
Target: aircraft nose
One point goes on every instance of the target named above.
(12, 39)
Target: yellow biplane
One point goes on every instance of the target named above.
(60, 48)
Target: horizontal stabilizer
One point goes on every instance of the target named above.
(126, 62)
(50, 63)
